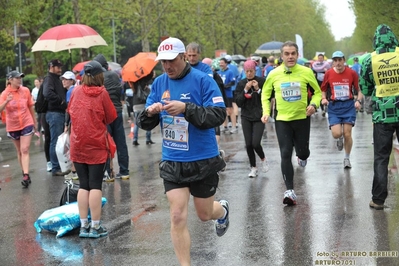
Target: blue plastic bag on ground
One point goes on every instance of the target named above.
(60, 220)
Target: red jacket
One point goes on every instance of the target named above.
(91, 109)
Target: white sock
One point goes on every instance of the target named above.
(84, 222)
(225, 214)
(95, 224)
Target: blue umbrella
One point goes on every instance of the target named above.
(269, 48)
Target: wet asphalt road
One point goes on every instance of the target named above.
(332, 222)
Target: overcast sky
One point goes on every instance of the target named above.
(340, 17)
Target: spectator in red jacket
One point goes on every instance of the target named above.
(91, 109)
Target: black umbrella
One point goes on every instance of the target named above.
(238, 58)
(269, 48)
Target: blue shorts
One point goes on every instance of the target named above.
(16, 135)
(341, 113)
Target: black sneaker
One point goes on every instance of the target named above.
(221, 225)
(376, 206)
(26, 180)
(84, 231)
(99, 232)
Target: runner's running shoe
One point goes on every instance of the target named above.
(265, 165)
(347, 163)
(26, 180)
(253, 173)
(222, 225)
(302, 162)
(289, 197)
(233, 131)
(340, 143)
(223, 154)
(84, 231)
(97, 232)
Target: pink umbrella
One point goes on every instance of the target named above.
(67, 37)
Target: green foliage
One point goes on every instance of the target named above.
(369, 14)
(239, 26)
(7, 57)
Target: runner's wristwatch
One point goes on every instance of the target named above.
(314, 106)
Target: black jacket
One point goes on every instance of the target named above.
(112, 83)
(251, 108)
(55, 93)
(145, 91)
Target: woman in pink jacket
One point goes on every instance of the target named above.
(91, 109)
(20, 119)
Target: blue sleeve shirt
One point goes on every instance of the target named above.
(181, 141)
(236, 74)
(227, 77)
(204, 68)
(69, 93)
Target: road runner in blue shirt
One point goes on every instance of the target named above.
(188, 105)
(229, 81)
(193, 56)
(236, 73)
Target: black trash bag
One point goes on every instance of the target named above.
(70, 193)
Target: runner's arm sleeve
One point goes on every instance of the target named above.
(229, 85)
(146, 122)
(204, 117)
(316, 97)
(266, 95)
(240, 99)
(323, 86)
(366, 80)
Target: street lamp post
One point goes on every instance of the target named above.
(113, 38)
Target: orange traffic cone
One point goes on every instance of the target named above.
(131, 135)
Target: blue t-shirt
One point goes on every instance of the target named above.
(236, 73)
(227, 76)
(356, 67)
(268, 68)
(204, 68)
(258, 71)
(69, 93)
(181, 141)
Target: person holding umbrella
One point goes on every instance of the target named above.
(138, 72)
(21, 119)
(55, 93)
